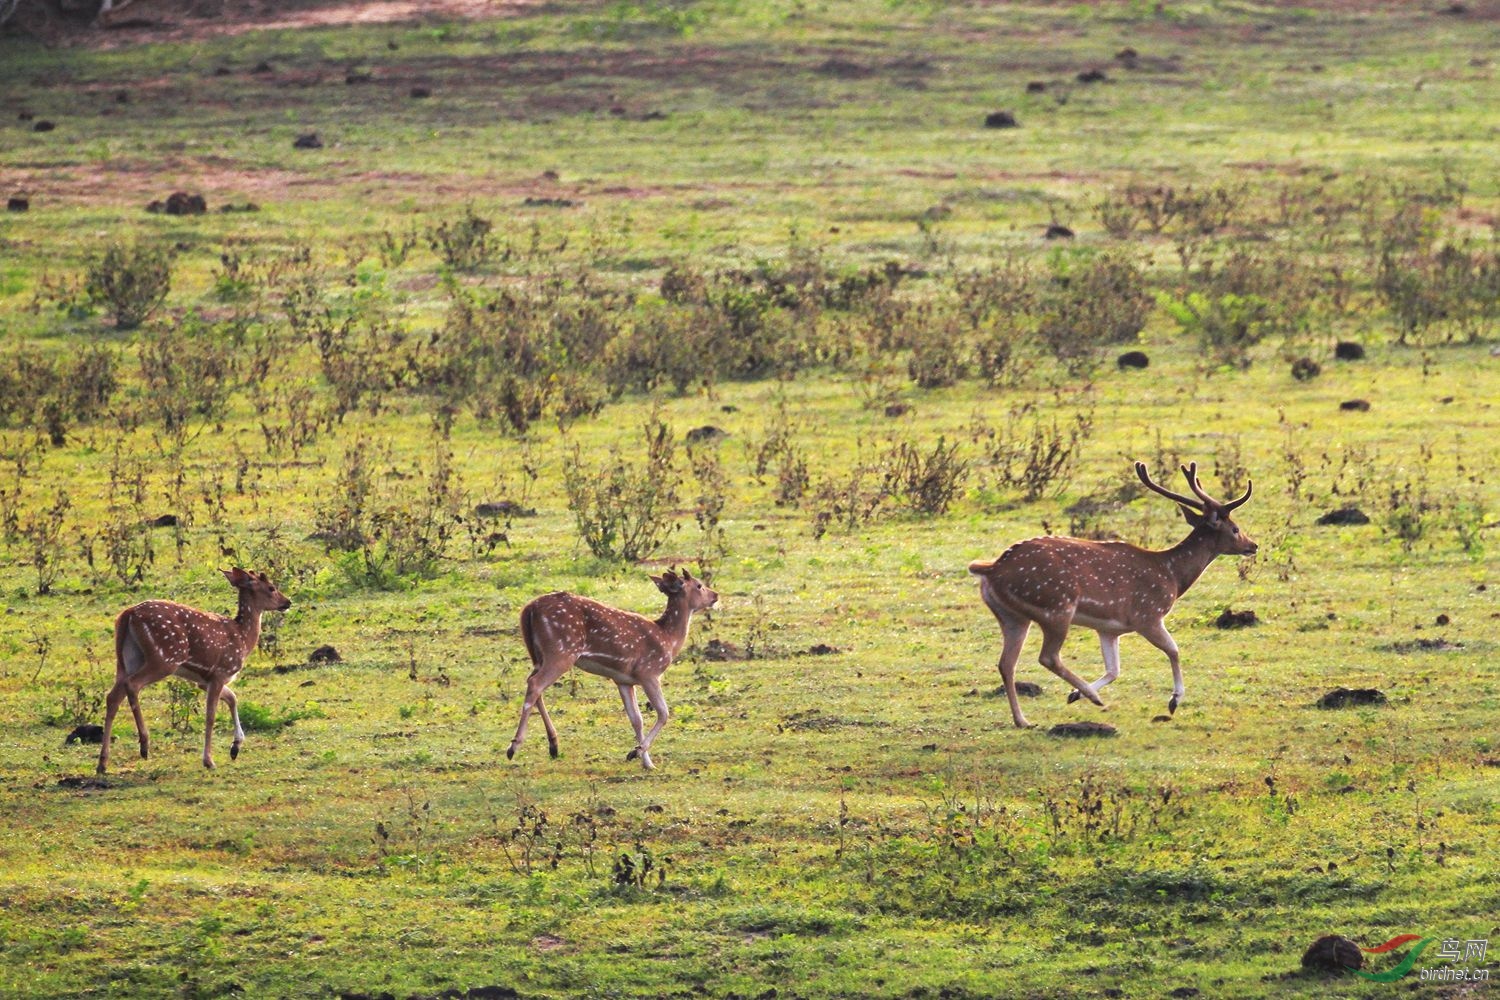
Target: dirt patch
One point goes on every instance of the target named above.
(164, 20)
(1082, 730)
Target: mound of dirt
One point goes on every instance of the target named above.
(1001, 119)
(1306, 369)
(1355, 406)
(1237, 619)
(1332, 953)
(1133, 359)
(1348, 350)
(1345, 697)
(1345, 515)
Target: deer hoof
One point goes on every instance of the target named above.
(234, 751)
(632, 755)
(552, 749)
(208, 764)
(1073, 696)
(1172, 706)
(510, 753)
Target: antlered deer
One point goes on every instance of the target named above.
(157, 639)
(563, 629)
(1111, 587)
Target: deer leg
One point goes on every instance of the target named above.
(215, 688)
(111, 706)
(1159, 637)
(541, 679)
(658, 701)
(1109, 645)
(140, 723)
(627, 695)
(1014, 629)
(234, 712)
(541, 708)
(1053, 636)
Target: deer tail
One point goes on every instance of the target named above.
(528, 635)
(981, 567)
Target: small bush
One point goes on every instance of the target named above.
(1032, 455)
(925, 482)
(130, 281)
(1090, 303)
(463, 244)
(624, 510)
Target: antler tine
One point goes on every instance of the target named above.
(1140, 470)
(1191, 471)
(1231, 505)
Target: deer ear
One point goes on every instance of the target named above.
(686, 575)
(668, 583)
(1192, 517)
(236, 577)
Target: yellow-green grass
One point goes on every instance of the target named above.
(861, 823)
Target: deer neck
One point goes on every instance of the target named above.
(674, 623)
(1187, 560)
(247, 623)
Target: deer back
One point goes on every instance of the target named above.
(565, 624)
(1112, 582)
(180, 635)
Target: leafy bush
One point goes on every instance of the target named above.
(130, 280)
(463, 244)
(625, 510)
(925, 482)
(1090, 303)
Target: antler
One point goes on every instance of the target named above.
(1191, 471)
(1204, 501)
(1198, 505)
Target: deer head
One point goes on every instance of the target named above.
(257, 591)
(696, 593)
(1207, 515)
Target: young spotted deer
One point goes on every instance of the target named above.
(1111, 587)
(561, 630)
(157, 639)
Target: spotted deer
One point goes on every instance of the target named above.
(562, 629)
(1113, 588)
(157, 639)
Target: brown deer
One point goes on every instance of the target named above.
(1111, 587)
(157, 639)
(562, 629)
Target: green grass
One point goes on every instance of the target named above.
(862, 823)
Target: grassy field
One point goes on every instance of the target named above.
(790, 223)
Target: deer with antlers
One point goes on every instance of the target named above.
(157, 639)
(1111, 587)
(562, 630)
